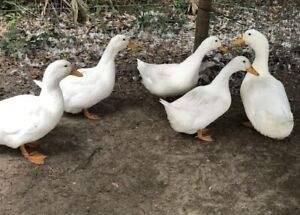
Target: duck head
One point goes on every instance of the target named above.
(121, 42)
(60, 69)
(214, 43)
(242, 63)
(253, 38)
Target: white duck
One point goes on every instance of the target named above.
(27, 118)
(266, 104)
(195, 110)
(176, 79)
(96, 84)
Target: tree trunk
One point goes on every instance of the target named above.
(202, 22)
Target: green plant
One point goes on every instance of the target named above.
(12, 5)
(161, 21)
(15, 42)
(12, 20)
(180, 5)
(12, 43)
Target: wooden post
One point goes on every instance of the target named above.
(202, 22)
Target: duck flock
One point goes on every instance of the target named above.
(27, 118)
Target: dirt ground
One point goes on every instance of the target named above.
(132, 162)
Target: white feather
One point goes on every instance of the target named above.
(39, 83)
(264, 97)
(26, 118)
(204, 104)
(176, 79)
(97, 82)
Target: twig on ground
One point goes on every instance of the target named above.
(45, 7)
(88, 159)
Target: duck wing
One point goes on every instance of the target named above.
(19, 112)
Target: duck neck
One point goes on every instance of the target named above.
(222, 79)
(261, 57)
(196, 58)
(109, 54)
(51, 93)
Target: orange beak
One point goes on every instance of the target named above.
(238, 41)
(223, 49)
(252, 71)
(132, 45)
(76, 73)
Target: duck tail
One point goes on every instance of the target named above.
(140, 65)
(164, 103)
(39, 83)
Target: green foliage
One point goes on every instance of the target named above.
(12, 19)
(180, 5)
(15, 42)
(13, 38)
(161, 21)
(98, 9)
(12, 5)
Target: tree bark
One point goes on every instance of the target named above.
(202, 22)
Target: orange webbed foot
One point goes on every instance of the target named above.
(201, 135)
(34, 157)
(90, 115)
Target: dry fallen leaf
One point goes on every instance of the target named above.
(116, 185)
(2, 30)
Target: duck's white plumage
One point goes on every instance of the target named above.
(27, 118)
(97, 83)
(204, 104)
(196, 109)
(266, 104)
(176, 79)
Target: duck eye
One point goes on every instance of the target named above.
(216, 41)
(66, 65)
(249, 34)
(124, 39)
(244, 61)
